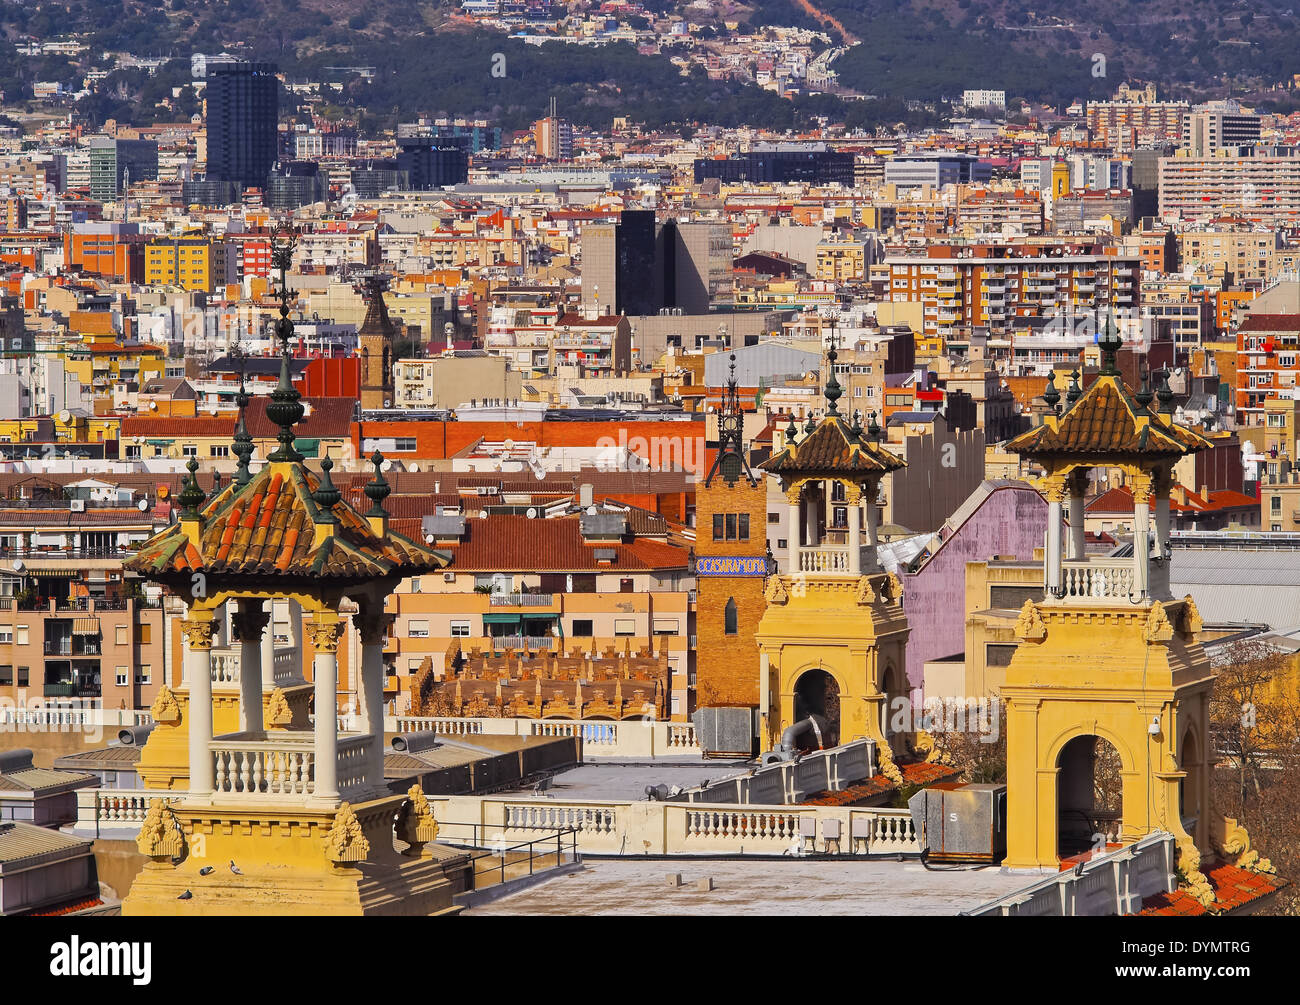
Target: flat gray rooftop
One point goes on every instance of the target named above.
(623, 780)
(753, 886)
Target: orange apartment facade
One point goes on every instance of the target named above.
(989, 286)
(1268, 351)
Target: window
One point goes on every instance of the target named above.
(120, 637)
(189, 450)
(133, 453)
(731, 526)
(774, 517)
(144, 675)
(460, 629)
(998, 654)
(417, 629)
(730, 618)
(717, 527)
(144, 634)
(6, 675)
(413, 665)
(1275, 504)
(20, 634)
(122, 676)
(583, 629)
(415, 585)
(218, 451)
(6, 634)
(624, 626)
(24, 674)
(665, 626)
(404, 444)
(744, 527)
(625, 586)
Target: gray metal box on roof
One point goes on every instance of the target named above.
(443, 526)
(967, 822)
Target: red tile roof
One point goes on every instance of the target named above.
(1120, 500)
(832, 448)
(1233, 888)
(1270, 323)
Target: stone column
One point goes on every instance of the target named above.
(370, 625)
(1162, 482)
(197, 667)
(324, 632)
(873, 526)
(853, 496)
(1078, 484)
(296, 636)
(812, 503)
(251, 625)
(1052, 559)
(792, 560)
(1141, 533)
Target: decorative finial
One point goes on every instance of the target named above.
(326, 494)
(1144, 394)
(243, 445)
(833, 389)
(810, 425)
(856, 429)
(377, 488)
(1109, 343)
(791, 431)
(191, 497)
(1074, 392)
(285, 408)
(1164, 393)
(1052, 396)
(874, 431)
(216, 485)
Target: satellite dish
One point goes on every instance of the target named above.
(19, 566)
(428, 539)
(64, 416)
(142, 505)
(153, 406)
(415, 467)
(591, 511)
(532, 513)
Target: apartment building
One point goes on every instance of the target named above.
(990, 211)
(597, 580)
(1268, 347)
(1246, 253)
(991, 285)
(191, 263)
(1262, 187)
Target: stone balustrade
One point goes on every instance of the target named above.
(834, 561)
(1099, 579)
(1114, 883)
(600, 737)
(673, 828)
(279, 767)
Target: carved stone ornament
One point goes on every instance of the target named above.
(893, 590)
(1233, 841)
(1029, 626)
(865, 595)
(1158, 627)
(165, 709)
(777, 592)
(160, 836)
(198, 632)
(415, 823)
(346, 842)
(1192, 623)
(324, 635)
(278, 713)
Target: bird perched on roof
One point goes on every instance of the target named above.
(185, 896)
(206, 870)
(234, 868)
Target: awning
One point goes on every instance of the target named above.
(501, 619)
(85, 626)
(307, 446)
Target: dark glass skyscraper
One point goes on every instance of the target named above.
(243, 102)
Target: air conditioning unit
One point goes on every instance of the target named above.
(449, 577)
(78, 505)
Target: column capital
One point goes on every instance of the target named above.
(853, 493)
(249, 620)
(324, 635)
(1143, 483)
(371, 625)
(1055, 488)
(198, 632)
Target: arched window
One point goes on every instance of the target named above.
(729, 619)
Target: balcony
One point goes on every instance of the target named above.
(1099, 579)
(266, 767)
(521, 599)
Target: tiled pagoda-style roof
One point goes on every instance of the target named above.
(266, 527)
(833, 448)
(1107, 420)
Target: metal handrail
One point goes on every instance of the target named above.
(557, 836)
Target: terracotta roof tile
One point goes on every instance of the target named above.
(832, 448)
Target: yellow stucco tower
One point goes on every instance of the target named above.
(831, 641)
(281, 815)
(1109, 666)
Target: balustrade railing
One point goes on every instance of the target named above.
(1099, 580)
(827, 560)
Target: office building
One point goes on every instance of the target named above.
(780, 163)
(242, 102)
(430, 163)
(640, 267)
(112, 162)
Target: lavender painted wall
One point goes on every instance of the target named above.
(1012, 521)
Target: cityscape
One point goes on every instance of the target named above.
(518, 458)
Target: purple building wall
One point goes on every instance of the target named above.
(1011, 521)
